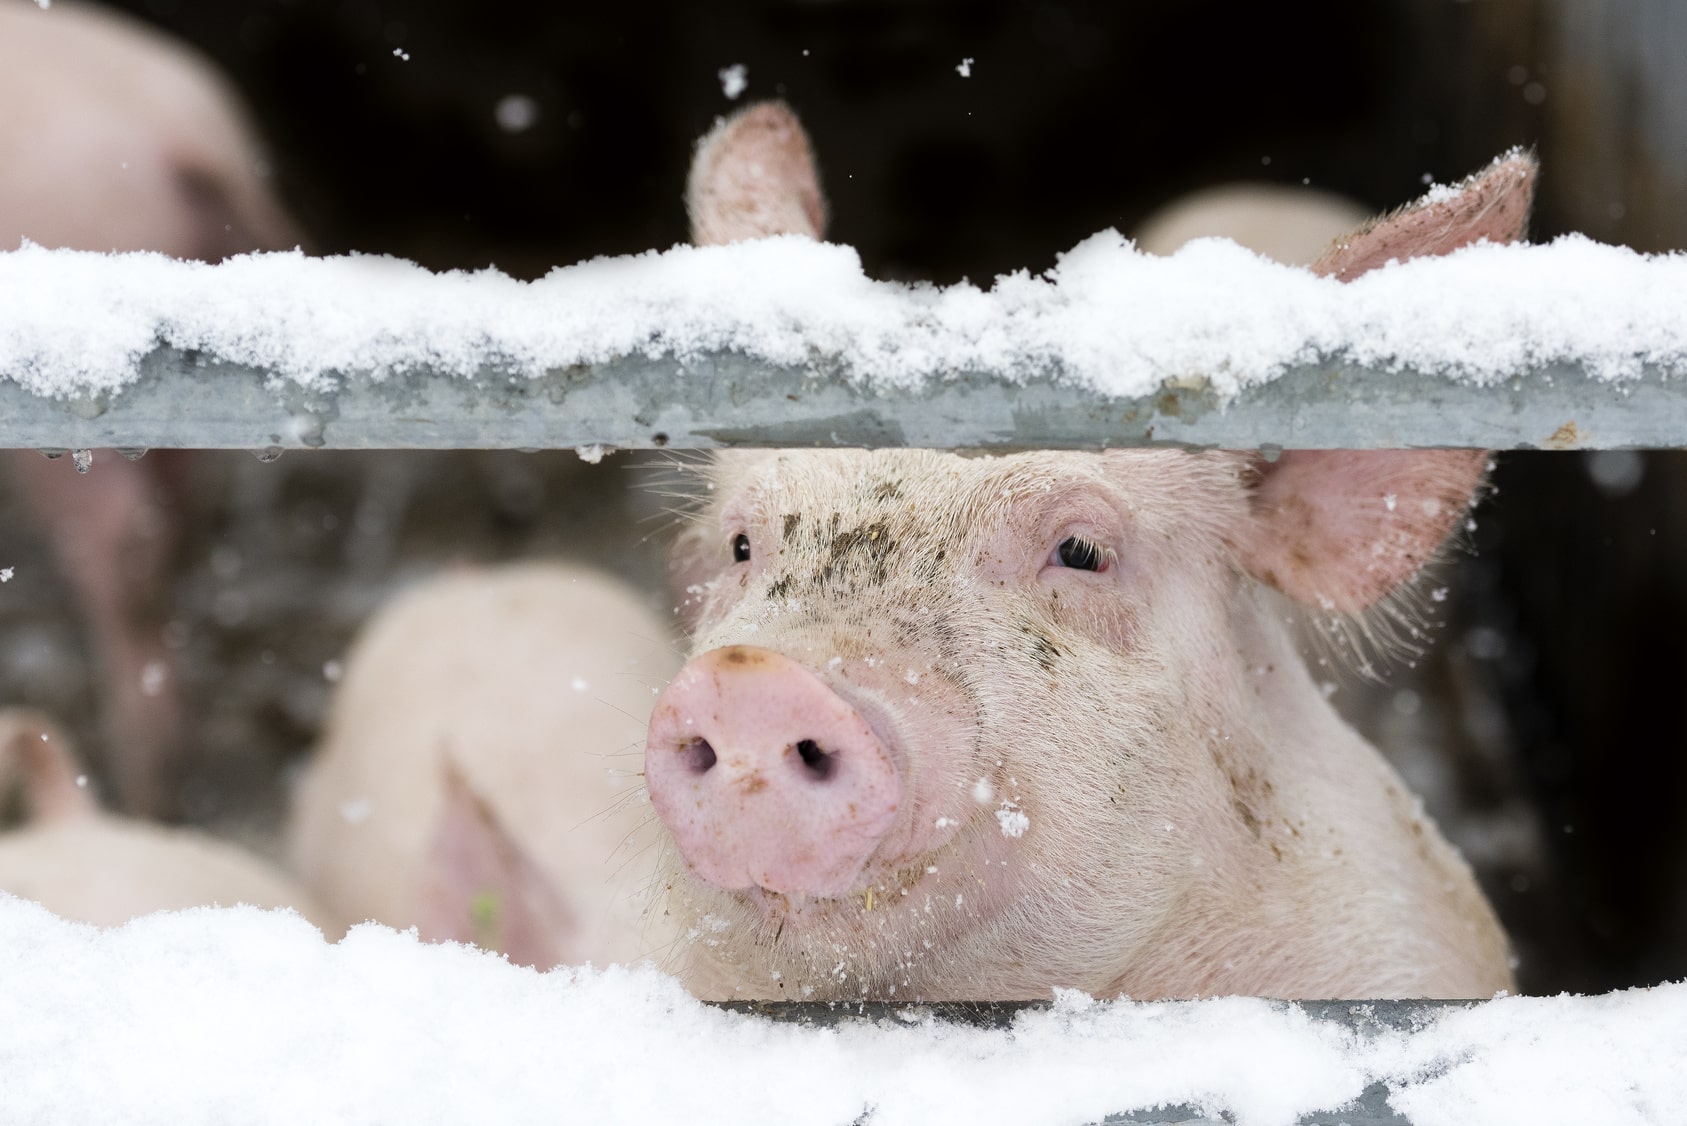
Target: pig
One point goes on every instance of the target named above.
(477, 776)
(979, 727)
(115, 138)
(95, 867)
(1286, 224)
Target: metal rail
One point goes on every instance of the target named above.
(1363, 1018)
(193, 400)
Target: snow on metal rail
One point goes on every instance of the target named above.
(197, 400)
(1365, 1019)
(786, 342)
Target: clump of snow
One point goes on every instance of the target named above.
(592, 454)
(1616, 473)
(733, 80)
(1438, 193)
(515, 113)
(238, 1015)
(1013, 822)
(1105, 316)
(5, 574)
(965, 68)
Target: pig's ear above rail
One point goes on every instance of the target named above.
(1493, 204)
(754, 176)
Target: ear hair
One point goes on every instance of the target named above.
(1399, 626)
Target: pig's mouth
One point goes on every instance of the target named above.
(941, 882)
(880, 892)
(901, 932)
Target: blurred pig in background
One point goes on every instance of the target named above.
(1286, 224)
(95, 867)
(479, 777)
(114, 137)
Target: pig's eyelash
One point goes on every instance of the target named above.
(1080, 554)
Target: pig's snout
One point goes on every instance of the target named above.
(766, 777)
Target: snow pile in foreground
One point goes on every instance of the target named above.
(1106, 315)
(241, 1016)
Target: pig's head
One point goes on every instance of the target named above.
(982, 726)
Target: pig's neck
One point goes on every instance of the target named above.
(1337, 886)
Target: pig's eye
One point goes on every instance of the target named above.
(1080, 554)
(740, 548)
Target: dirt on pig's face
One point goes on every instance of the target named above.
(1043, 646)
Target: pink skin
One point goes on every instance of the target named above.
(118, 139)
(766, 777)
(1112, 769)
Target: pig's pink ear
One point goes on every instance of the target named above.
(754, 176)
(41, 753)
(1493, 204)
(1341, 529)
(480, 887)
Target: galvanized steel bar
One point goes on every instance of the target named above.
(1362, 1018)
(198, 401)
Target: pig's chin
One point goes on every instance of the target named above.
(893, 935)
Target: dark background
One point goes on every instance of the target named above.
(1076, 116)
(1554, 703)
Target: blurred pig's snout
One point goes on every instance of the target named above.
(766, 777)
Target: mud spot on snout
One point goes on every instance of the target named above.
(742, 656)
(752, 783)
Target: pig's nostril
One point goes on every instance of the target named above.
(697, 756)
(816, 761)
